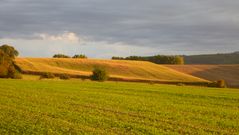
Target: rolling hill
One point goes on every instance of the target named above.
(117, 68)
(229, 73)
(226, 58)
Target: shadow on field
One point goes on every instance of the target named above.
(229, 73)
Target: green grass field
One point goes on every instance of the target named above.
(84, 107)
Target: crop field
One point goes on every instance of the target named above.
(116, 68)
(229, 73)
(85, 107)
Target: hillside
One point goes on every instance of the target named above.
(229, 58)
(230, 73)
(116, 68)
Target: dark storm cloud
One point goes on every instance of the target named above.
(183, 26)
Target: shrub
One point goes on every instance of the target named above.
(99, 74)
(64, 77)
(9, 71)
(81, 56)
(47, 75)
(221, 84)
(218, 84)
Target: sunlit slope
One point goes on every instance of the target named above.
(230, 73)
(116, 68)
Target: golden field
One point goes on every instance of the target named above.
(116, 68)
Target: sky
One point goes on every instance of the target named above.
(106, 28)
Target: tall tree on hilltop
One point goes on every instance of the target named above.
(9, 50)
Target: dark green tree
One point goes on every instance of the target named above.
(117, 58)
(99, 74)
(61, 56)
(9, 51)
(81, 56)
(7, 66)
(158, 59)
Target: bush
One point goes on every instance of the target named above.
(64, 77)
(9, 71)
(99, 74)
(47, 75)
(221, 84)
(218, 84)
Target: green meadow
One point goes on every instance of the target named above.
(85, 107)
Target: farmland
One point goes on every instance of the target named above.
(115, 68)
(229, 73)
(79, 107)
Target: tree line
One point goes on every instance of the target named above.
(158, 59)
(81, 56)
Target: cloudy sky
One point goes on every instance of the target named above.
(105, 28)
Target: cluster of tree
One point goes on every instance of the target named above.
(117, 58)
(61, 56)
(7, 66)
(82, 56)
(158, 59)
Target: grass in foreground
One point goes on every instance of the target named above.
(77, 107)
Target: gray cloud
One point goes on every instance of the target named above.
(185, 26)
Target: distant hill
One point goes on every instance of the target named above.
(229, 58)
(229, 73)
(236, 52)
(116, 68)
